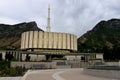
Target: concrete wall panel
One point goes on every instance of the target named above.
(72, 42)
(35, 39)
(26, 39)
(55, 38)
(50, 41)
(68, 41)
(40, 40)
(75, 43)
(31, 39)
(60, 41)
(64, 41)
(22, 41)
(45, 40)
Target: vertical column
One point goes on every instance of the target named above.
(31, 39)
(64, 41)
(41, 41)
(21, 46)
(22, 40)
(26, 39)
(35, 39)
(59, 40)
(55, 40)
(75, 43)
(23, 57)
(3, 54)
(45, 39)
(50, 42)
(72, 40)
(68, 41)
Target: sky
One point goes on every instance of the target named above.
(70, 16)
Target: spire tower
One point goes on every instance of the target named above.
(48, 19)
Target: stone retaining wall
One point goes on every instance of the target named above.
(34, 64)
(112, 63)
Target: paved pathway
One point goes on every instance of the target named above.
(55, 74)
(61, 74)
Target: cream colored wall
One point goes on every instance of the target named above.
(52, 40)
(45, 40)
(26, 39)
(72, 42)
(40, 40)
(60, 41)
(31, 39)
(55, 38)
(22, 41)
(68, 41)
(64, 41)
(35, 39)
(75, 43)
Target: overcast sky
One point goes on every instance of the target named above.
(70, 16)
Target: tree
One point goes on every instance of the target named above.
(112, 54)
(0, 56)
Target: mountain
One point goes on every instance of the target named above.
(10, 35)
(104, 34)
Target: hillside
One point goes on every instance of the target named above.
(10, 35)
(106, 34)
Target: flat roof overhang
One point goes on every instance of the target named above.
(64, 54)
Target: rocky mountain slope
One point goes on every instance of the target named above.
(104, 34)
(10, 35)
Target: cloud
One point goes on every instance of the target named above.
(8, 21)
(71, 16)
(80, 16)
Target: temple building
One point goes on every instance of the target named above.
(48, 42)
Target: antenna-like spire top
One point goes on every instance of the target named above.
(49, 5)
(48, 20)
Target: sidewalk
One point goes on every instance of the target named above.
(62, 74)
